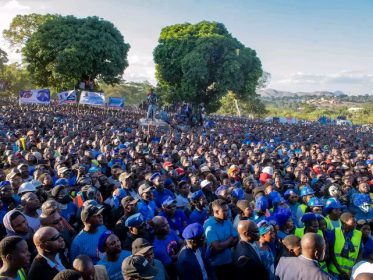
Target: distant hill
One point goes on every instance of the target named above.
(269, 92)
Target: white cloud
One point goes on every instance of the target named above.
(343, 77)
(15, 6)
(141, 68)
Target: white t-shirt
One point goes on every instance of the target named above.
(33, 223)
(361, 267)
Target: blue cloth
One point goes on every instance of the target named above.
(147, 210)
(114, 269)
(87, 244)
(159, 197)
(70, 211)
(178, 221)
(215, 231)
(160, 248)
(198, 216)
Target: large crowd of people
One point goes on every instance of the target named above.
(91, 193)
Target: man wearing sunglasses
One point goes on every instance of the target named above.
(48, 262)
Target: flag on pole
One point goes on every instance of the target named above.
(35, 96)
(92, 98)
(67, 97)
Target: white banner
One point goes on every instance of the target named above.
(92, 98)
(67, 97)
(35, 96)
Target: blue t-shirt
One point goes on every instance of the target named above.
(87, 244)
(114, 269)
(198, 216)
(159, 197)
(177, 223)
(69, 211)
(147, 210)
(215, 231)
(160, 248)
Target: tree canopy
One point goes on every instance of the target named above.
(201, 62)
(65, 50)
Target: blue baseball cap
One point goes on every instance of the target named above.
(196, 195)
(135, 220)
(168, 201)
(154, 175)
(102, 240)
(220, 189)
(62, 181)
(308, 217)
(238, 193)
(289, 192)
(193, 231)
(4, 184)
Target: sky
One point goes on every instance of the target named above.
(304, 45)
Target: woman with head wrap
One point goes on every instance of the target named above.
(15, 224)
(267, 235)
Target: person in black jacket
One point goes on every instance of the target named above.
(48, 261)
(246, 259)
(192, 263)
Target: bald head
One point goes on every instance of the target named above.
(364, 276)
(248, 231)
(313, 246)
(42, 234)
(158, 220)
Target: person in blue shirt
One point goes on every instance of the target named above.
(221, 238)
(160, 193)
(199, 213)
(176, 218)
(166, 245)
(86, 241)
(109, 244)
(146, 206)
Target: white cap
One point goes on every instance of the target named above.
(268, 170)
(205, 168)
(26, 187)
(205, 183)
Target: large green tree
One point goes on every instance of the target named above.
(65, 50)
(201, 62)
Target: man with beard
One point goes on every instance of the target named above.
(49, 261)
(192, 263)
(86, 240)
(136, 229)
(160, 193)
(31, 209)
(129, 205)
(51, 217)
(126, 182)
(246, 257)
(221, 237)
(166, 244)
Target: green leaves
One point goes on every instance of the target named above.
(202, 62)
(66, 50)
